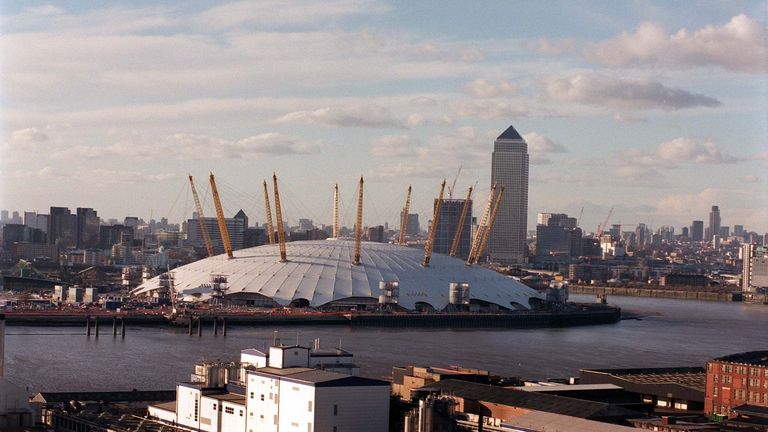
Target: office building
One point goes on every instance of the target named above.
(697, 231)
(448, 223)
(754, 276)
(16, 233)
(372, 234)
(724, 232)
(557, 237)
(87, 228)
(35, 220)
(110, 235)
(235, 230)
(734, 380)
(714, 223)
(509, 168)
(413, 227)
(62, 227)
(738, 230)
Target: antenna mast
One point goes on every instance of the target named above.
(359, 223)
(222, 221)
(404, 217)
(279, 216)
(203, 229)
(433, 228)
(268, 210)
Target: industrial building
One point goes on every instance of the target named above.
(279, 390)
(736, 380)
(323, 272)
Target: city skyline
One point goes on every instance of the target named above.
(116, 104)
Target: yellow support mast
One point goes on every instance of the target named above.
(268, 210)
(404, 217)
(279, 216)
(481, 227)
(203, 229)
(359, 223)
(460, 227)
(220, 217)
(336, 211)
(433, 228)
(487, 234)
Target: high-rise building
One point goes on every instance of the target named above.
(509, 168)
(714, 222)
(685, 231)
(738, 230)
(754, 275)
(557, 237)
(413, 227)
(450, 213)
(724, 232)
(62, 227)
(87, 228)
(697, 231)
(235, 230)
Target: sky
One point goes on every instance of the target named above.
(658, 109)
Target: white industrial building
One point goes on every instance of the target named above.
(322, 273)
(279, 390)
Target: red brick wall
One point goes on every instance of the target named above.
(730, 385)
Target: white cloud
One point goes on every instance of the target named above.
(28, 136)
(120, 176)
(481, 88)
(418, 119)
(487, 109)
(623, 93)
(395, 146)
(540, 147)
(688, 150)
(740, 45)
(356, 115)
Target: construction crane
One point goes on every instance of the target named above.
(581, 213)
(268, 211)
(279, 216)
(487, 234)
(433, 228)
(460, 227)
(359, 222)
(602, 226)
(222, 221)
(203, 229)
(481, 227)
(404, 217)
(453, 185)
(336, 211)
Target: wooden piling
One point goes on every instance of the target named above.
(114, 326)
(96, 325)
(122, 327)
(88, 326)
(224, 326)
(199, 326)
(215, 326)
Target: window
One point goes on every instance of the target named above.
(241, 413)
(252, 395)
(715, 391)
(295, 388)
(197, 408)
(309, 406)
(214, 407)
(229, 410)
(335, 411)
(262, 398)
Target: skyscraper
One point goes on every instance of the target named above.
(62, 227)
(509, 168)
(714, 222)
(87, 228)
(450, 213)
(697, 231)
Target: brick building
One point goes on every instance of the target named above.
(735, 380)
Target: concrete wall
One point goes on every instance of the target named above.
(359, 409)
(650, 292)
(295, 414)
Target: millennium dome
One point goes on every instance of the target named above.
(322, 273)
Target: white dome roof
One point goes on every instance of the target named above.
(322, 271)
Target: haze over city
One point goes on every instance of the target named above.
(641, 106)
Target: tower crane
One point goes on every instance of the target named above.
(268, 211)
(404, 217)
(220, 216)
(453, 185)
(602, 226)
(460, 227)
(433, 228)
(203, 229)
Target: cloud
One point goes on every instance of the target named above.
(481, 88)
(623, 93)
(355, 115)
(183, 146)
(418, 119)
(750, 178)
(29, 136)
(740, 45)
(121, 176)
(540, 147)
(395, 146)
(487, 109)
(623, 117)
(682, 150)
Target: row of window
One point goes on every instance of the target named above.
(740, 394)
(743, 370)
(753, 382)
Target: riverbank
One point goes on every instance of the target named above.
(574, 315)
(655, 293)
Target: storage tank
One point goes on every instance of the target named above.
(390, 292)
(458, 293)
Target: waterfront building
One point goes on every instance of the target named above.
(735, 380)
(407, 379)
(281, 390)
(754, 276)
(509, 169)
(450, 213)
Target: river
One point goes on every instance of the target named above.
(671, 333)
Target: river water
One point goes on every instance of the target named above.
(671, 333)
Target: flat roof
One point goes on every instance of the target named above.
(754, 358)
(166, 406)
(692, 377)
(228, 397)
(317, 377)
(546, 421)
(569, 387)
